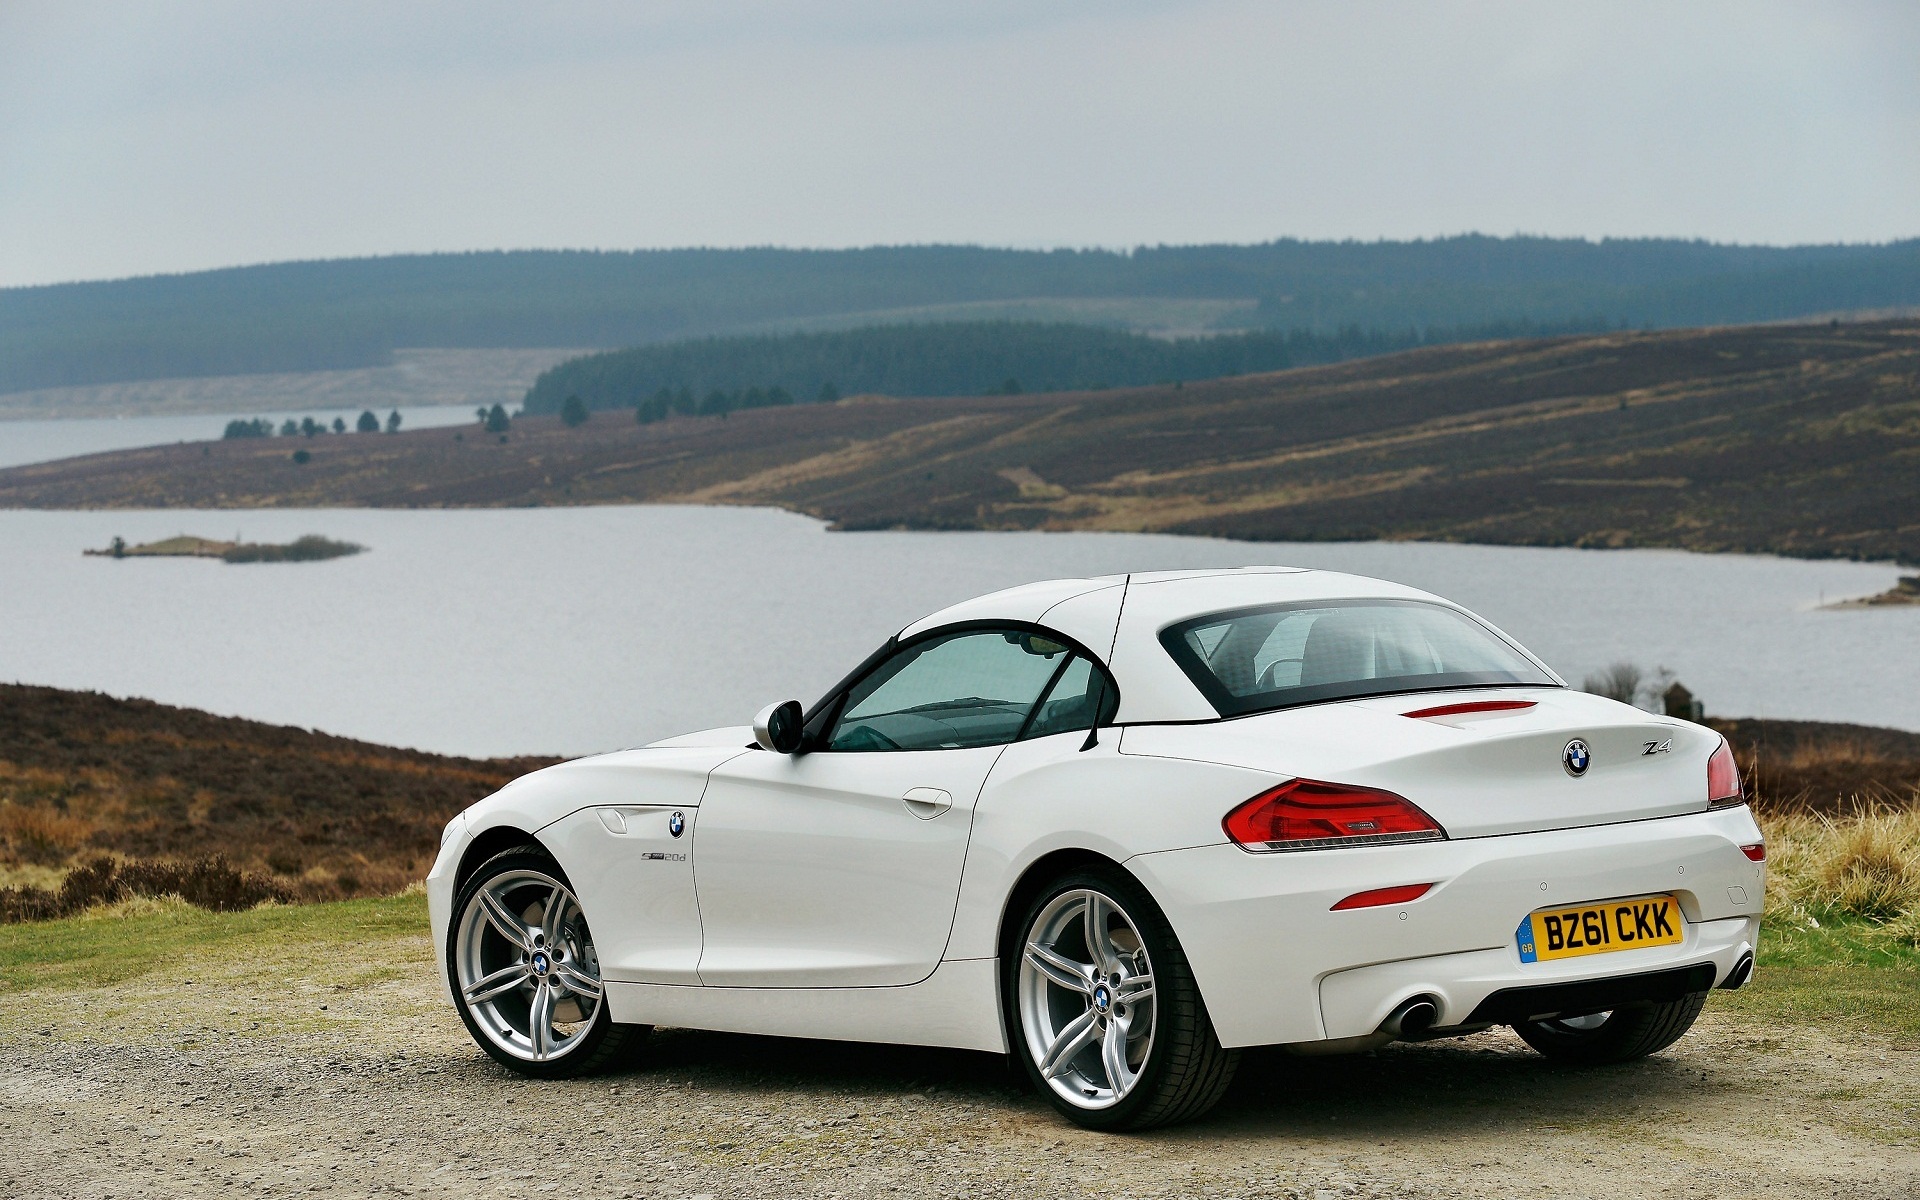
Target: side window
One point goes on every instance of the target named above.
(962, 690)
(1077, 698)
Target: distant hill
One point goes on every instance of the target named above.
(1798, 440)
(352, 313)
(413, 378)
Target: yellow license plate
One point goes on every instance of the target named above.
(1599, 928)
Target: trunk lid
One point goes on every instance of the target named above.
(1477, 773)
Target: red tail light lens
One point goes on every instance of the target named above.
(1757, 851)
(1308, 815)
(1723, 778)
(1380, 896)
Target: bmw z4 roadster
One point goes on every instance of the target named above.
(1120, 828)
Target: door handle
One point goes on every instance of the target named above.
(927, 803)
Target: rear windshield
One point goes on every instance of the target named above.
(1255, 659)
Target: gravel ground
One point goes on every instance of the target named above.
(346, 1075)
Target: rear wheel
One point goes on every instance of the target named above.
(524, 972)
(1622, 1035)
(1104, 1011)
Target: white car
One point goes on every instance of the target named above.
(1121, 827)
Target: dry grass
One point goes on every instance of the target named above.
(210, 883)
(1812, 767)
(1862, 866)
(41, 835)
(1843, 749)
(325, 817)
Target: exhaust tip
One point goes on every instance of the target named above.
(1411, 1019)
(1742, 971)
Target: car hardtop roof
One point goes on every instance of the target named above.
(1119, 618)
(1086, 607)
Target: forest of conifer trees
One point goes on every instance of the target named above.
(308, 316)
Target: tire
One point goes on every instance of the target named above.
(556, 986)
(1622, 1035)
(1065, 1001)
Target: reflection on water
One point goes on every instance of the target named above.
(23, 442)
(570, 630)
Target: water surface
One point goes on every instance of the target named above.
(569, 630)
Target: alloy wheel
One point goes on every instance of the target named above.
(525, 965)
(1086, 998)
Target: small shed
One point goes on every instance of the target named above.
(1680, 702)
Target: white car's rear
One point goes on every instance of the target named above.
(1389, 884)
(1327, 938)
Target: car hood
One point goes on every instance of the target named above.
(734, 736)
(1478, 774)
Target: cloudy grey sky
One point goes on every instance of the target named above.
(138, 137)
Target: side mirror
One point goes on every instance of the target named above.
(778, 727)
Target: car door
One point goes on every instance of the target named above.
(839, 866)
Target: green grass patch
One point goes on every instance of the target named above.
(1846, 972)
(103, 948)
(1838, 941)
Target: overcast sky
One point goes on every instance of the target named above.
(141, 137)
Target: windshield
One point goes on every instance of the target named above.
(1256, 659)
(964, 690)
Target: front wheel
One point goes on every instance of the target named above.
(1104, 1010)
(524, 972)
(1621, 1035)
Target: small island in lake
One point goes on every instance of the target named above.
(1907, 591)
(311, 548)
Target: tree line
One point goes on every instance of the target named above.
(260, 427)
(355, 312)
(710, 376)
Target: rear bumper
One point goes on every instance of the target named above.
(1511, 1006)
(1275, 965)
(1495, 987)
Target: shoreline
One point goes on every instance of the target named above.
(827, 525)
(1903, 594)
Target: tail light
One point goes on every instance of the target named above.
(1723, 779)
(1406, 894)
(1757, 851)
(1477, 706)
(1308, 815)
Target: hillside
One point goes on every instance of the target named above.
(412, 378)
(82, 773)
(354, 313)
(1794, 440)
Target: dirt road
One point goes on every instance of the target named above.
(343, 1074)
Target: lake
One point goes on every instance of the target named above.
(570, 630)
(33, 441)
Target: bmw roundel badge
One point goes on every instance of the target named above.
(1576, 758)
(677, 824)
